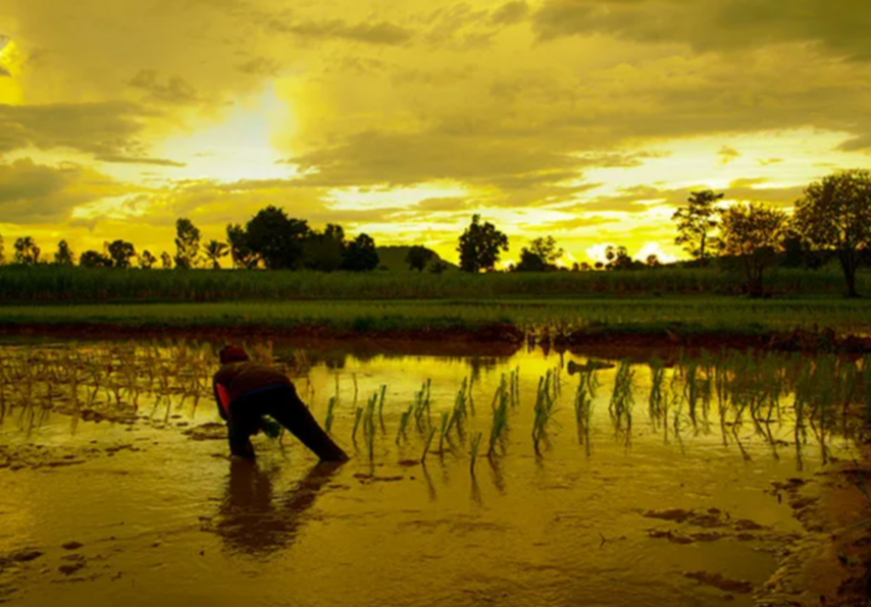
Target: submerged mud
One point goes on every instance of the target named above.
(143, 506)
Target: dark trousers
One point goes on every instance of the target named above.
(282, 404)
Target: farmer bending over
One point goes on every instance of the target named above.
(246, 391)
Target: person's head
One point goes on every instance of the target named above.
(232, 354)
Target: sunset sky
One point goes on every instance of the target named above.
(585, 119)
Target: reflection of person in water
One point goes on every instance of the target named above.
(253, 521)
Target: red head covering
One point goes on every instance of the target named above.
(232, 354)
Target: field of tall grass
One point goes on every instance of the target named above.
(85, 285)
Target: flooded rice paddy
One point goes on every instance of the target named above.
(677, 481)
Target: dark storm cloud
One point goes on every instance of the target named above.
(637, 199)
(35, 193)
(102, 129)
(510, 13)
(381, 33)
(163, 162)
(173, 91)
(400, 159)
(841, 27)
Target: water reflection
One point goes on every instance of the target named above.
(252, 520)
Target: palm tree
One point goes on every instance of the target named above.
(215, 251)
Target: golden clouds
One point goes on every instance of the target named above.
(32, 193)
(581, 117)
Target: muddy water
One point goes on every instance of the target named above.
(147, 512)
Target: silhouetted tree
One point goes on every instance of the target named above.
(64, 255)
(751, 236)
(530, 262)
(325, 251)
(166, 260)
(437, 266)
(545, 249)
(480, 246)
(277, 239)
(214, 252)
(541, 256)
(121, 253)
(695, 224)
(240, 252)
(799, 253)
(2, 252)
(835, 214)
(187, 244)
(652, 261)
(418, 257)
(147, 260)
(360, 255)
(618, 258)
(26, 251)
(93, 259)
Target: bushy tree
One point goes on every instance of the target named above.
(64, 255)
(241, 254)
(541, 255)
(187, 244)
(798, 252)
(26, 251)
(418, 257)
(166, 260)
(751, 235)
(93, 259)
(215, 251)
(652, 261)
(835, 215)
(121, 252)
(325, 251)
(147, 260)
(360, 255)
(277, 239)
(618, 258)
(480, 246)
(437, 266)
(696, 224)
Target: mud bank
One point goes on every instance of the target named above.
(505, 337)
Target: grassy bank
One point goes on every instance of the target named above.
(698, 315)
(83, 285)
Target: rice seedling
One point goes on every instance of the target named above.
(430, 435)
(459, 412)
(369, 425)
(422, 414)
(381, 404)
(544, 404)
(474, 446)
(443, 433)
(499, 424)
(654, 401)
(622, 397)
(331, 405)
(583, 411)
(358, 415)
(403, 424)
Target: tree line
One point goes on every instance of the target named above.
(832, 219)
(270, 240)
